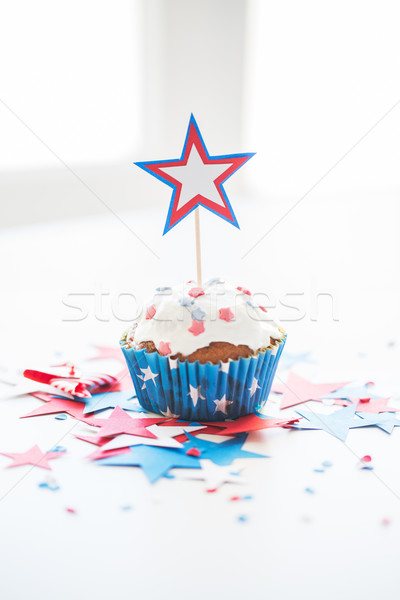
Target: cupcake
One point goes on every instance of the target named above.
(203, 353)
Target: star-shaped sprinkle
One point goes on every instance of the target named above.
(225, 314)
(195, 292)
(187, 302)
(376, 406)
(198, 314)
(213, 475)
(196, 178)
(150, 312)
(197, 327)
(254, 387)
(147, 376)
(222, 453)
(195, 394)
(298, 390)
(34, 456)
(222, 405)
(164, 348)
(120, 422)
(154, 461)
(243, 290)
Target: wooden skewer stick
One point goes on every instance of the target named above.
(198, 247)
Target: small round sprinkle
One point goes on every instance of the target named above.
(366, 458)
(61, 417)
(309, 490)
(319, 470)
(193, 452)
(327, 463)
(242, 518)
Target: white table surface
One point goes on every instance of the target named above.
(178, 540)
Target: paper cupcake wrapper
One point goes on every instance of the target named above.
(202, 392)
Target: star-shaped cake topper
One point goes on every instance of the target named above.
(196, 178)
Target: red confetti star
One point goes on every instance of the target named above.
(298, 390)
(120, 422)
(226, 314)
(34, 457)
(164, 348)
(196, 292)
(197, 327)
(150, 312)
(55, 405)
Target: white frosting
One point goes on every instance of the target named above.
(176, 311)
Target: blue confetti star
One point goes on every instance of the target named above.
(223, 453)
(154, 461)
(337, 423)
(385, 421)
(198, 314)
(126, 400)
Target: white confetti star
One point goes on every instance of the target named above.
(254, 387)
(214, 475)
(147, 375)
(222, 405)
(195, 394)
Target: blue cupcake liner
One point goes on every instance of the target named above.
(218, 392)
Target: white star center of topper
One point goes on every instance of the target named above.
(197, 178)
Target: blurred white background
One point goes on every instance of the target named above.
(88, 88)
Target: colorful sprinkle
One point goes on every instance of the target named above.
(72, 511)
(196, 292)
(319, 470)
(366, 458)
(150, 312)
(126, 507)
(225, 314)
(58, 449)
(327, 463)
(193, 452)
(262, 308)
(242, 518)
(50, 486)
(186, 301)
(61, 417)
(197, 327)
(164, 288)
(198, 314)
(164, 348)
(385, 521)
(365, 399)
(309, 490)
(244, 291)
